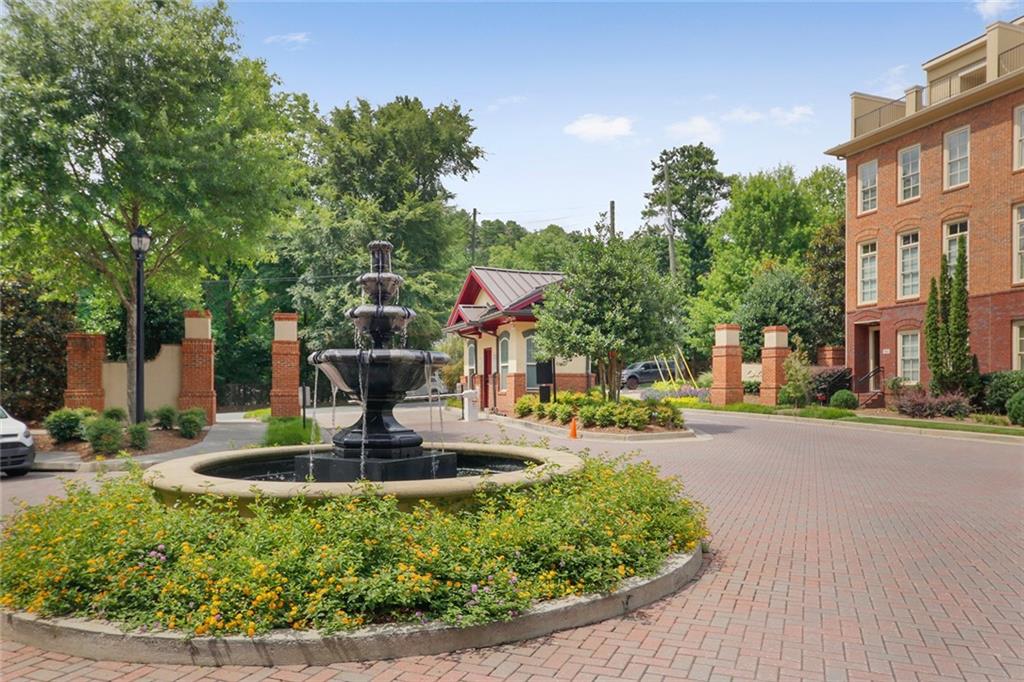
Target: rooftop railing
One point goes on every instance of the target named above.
(1011, 60)
(883, 115)
(956, 83)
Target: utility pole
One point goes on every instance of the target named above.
(472, 241)
(669, 229)
(611, 214)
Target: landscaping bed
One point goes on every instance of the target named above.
(159, 441)
(595, 413)
(98, 435)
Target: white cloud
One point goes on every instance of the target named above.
(743, 115)
(892, 83)
(505, 101)
(598, 128)
(993, 9)
(791, 116)
(292, 41)
(696, 129)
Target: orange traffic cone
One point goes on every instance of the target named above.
(572, 429)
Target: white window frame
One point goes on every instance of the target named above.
(947, 241)
(1018, 138)
(529, 338)
(901, 295)
(861, 188)
(903, 198)
(503, 364)
(946, 160)
(860, 272)
(1017, 351)
(1017, 222)
(470, 358)
(900, 371)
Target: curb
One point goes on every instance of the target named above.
(687, 434)
(905, 430)
(99, 640)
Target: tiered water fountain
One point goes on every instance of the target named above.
(377, 447)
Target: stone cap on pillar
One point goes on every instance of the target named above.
(776, 336)
(198, 324)
(727, 335)
(286, 326)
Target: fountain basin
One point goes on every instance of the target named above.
(182, 480)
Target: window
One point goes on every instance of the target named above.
(954, 231)
(867, 181)
(910, 173)
(1018, 137)
(910, 356)
(1018, 243)
(1018, 344)
(470, 358)
(910, 264)
(531, 361)
(958, 152)
(869, 272)
(503, 362)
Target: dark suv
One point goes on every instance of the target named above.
(644, 372)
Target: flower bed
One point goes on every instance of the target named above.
(120, 555)
(592, 411)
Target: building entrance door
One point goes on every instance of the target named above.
(874, 356)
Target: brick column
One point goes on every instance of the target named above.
(197, 365)
(831, 356)
(773, 354)
(727, 365)
(284, 389)
(86, 353)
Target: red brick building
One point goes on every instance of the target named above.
(494, 316)
(945, 161)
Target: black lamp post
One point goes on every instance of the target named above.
(140, 245)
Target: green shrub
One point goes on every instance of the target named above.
(797, 389)
(104, 435)
(118, 414)
(63, 425)
(563, 413)
(991, 419)
(291, 431)
(134, 560)
(999, 387)
(166, 417)
(686, 401)
(752, 387)
(705, 380)
(191, 422)
(526, 405)
(667, 414)
(632, 416)
(85, 413)
(819, 412)
(1015, 408)
(845, 399)
(588, 415)
(605, 415)
(138, 436)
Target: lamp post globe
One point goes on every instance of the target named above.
(140, 240)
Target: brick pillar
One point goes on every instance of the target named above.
(727, 365)
(831, 356)
(773, 354)
(284, 389)
(86, 353)
(197, 365)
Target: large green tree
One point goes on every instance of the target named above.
(121, 113)
(778, 296)
(825, 274)
(612, 306)
(688, 180)
(545, 249)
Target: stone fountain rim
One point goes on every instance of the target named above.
(377, 354)
(181, 476)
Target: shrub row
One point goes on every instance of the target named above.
(106, 432)
(592, 410)
(291, 431)
(916, 402)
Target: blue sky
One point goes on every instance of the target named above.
(573, 101)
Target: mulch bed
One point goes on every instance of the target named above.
(159, 441)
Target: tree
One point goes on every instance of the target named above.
(695, 188)
(825, 274)
(721, 293)
(777, 296)
(825, 193)
(121, 113)
(545, 250)
(947, 332)
(612, 306)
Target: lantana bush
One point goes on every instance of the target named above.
(206, 569)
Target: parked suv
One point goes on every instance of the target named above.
(17, 449)
(644, 372)
(434, 388)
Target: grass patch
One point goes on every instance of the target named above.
(263, 414)
(821, 412)
(291, 431)
(118, 554)
(752, 408)
(940, 426)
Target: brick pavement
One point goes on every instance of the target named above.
(840, 554)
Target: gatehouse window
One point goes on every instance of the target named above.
(531, 361)
(503, 362)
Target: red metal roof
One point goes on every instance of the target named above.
(510, 290)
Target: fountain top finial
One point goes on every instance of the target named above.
(380, 255)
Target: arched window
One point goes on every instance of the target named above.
(531, 361)
(470, 358)
(503, 362)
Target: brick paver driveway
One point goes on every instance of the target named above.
(839, 554)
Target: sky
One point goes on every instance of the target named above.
(573, 101)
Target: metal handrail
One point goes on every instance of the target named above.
(876, 371)
(1011, 60)
(883, 115)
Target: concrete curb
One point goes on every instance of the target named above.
(99, 640)
(905, 430)
(687, 434)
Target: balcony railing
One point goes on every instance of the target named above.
(956, 83)
(1011, 60)
(883, 115)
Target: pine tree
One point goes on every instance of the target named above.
(947, 331)
(934, 344)
(958, 342)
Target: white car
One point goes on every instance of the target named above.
(17, 449)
